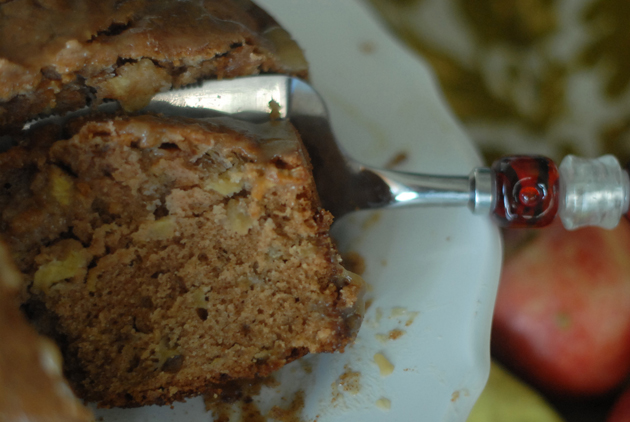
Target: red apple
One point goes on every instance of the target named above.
(562, 317)
(621, 410)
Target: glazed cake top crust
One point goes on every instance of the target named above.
(65, 35)
(57, 55)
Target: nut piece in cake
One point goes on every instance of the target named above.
(175, 253)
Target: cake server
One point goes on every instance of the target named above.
(516, 191)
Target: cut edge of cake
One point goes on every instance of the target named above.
(121, 198)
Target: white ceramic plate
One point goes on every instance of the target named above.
(442, 264)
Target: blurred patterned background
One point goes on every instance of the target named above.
(530, 76)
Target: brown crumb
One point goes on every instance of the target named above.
(251, 413)
(221, 412)
(396, 334)
(350, 381)
(219, 398)
(397, 159)
(224, 400)
(293, 413)
(274, 113)
(412, 318)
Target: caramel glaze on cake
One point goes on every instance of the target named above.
(175, 253)
(32, 387)
(59, 55)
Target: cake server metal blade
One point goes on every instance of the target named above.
(344, 185)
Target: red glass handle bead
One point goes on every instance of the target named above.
(526, 191)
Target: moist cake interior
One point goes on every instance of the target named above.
(165, 254)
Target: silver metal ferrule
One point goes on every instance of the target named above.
(481, 199)
(424, 189)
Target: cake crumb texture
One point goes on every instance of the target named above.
(165, 254)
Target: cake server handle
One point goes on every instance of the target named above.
(522, 191)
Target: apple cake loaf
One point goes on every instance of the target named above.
(173, 253)
(32, 387)
(61, 55)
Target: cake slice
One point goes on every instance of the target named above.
(32, 387)
(60, 55)
(168, 253)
